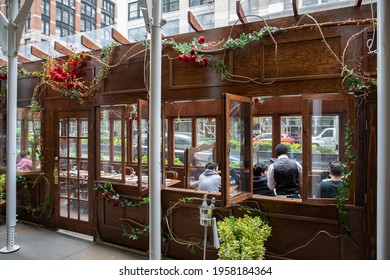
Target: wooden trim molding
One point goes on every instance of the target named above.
(194, 22)
(88, 43)
(240, 13)
(118, 37)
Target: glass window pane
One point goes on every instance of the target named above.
(328, 121)
(262, 139)
(182, 137)
(238, 154)
(291, 134)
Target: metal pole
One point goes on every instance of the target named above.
(205, 242)
(383, 192)
(11, 128)
(155, 134)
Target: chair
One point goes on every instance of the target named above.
(170, 174)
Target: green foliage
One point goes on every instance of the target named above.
(263, 146)
(46, 206)
(177, 161)
(235, 145)
(323, 150)
(2, 186)
(243, 238)
(220, 68)
(350, 159)
(246, 39)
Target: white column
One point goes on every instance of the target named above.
(383, 195)
(155, 134)
(11, 129)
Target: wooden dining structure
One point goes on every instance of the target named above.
(300, 78)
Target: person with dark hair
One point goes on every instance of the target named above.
(25, 163)
(329, 188)
(210, 180)
(284, 174)
(260, 180)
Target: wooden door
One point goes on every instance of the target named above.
(74, 171)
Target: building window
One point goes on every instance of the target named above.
(171, 28)
(65, 18)
(45, 7)
(45, 27)
(28, 23)
(88, 17)
(69, 3)
(137, 34)
(134, 10)
(199, 2)
(206, 20)
(108, 13)
(170, 5)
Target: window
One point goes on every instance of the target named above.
(64, 18)
(138, 33)
(206, 20)
(199, 2)
(108, 13)
(170, 5)
(28, 23)
(45, 7)
(171, 28)
(134, 11)
(120, 127)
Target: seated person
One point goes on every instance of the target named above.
(25, 163)
(260, 180)
(210, 180)
(329, 188)
(234, 176)
(284, 174)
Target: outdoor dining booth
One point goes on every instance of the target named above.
(285, 88)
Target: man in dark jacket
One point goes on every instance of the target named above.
(260, 180)
(284, 175)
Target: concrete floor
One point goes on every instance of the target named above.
(43, 244)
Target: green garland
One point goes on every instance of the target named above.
(46, 206)
(341, 199)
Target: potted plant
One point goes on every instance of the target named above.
(242, 238)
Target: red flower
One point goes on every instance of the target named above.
(255, 100)
(201, 40)
(192, 51)
(114, 203)
(69, 85)
(180, 57)
(75, 63)
(103, 195)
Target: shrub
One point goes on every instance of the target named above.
(2, 186)
(242, 238)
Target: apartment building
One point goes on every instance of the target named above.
(60, 18)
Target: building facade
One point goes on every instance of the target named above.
(59, 18)
(214, 13)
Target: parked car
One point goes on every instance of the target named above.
(267, 137)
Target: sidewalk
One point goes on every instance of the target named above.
(43, 244)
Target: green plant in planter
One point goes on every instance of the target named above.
(242, 238)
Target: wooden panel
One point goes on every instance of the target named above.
(187, 75)
(129, 77)
(303, 59)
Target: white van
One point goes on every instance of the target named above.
(327, 138)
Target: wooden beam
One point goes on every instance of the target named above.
(240, 13)
(89, 44)
(194, 22)
(3, 62)
(118, 37)
(62, 49)
(358, 2)
(39, 53)
(295, 7)
(23, 59)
